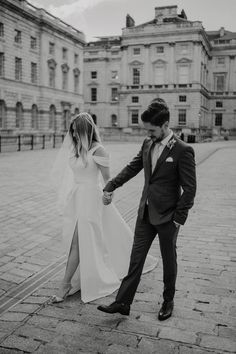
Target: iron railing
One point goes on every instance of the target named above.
(25, 142)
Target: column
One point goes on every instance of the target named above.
(147, 65)
(197, 62)
(172, 65)
(124, 66)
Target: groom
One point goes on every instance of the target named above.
(168, 194)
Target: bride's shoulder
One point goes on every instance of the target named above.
(99, 150)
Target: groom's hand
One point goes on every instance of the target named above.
(107, 198)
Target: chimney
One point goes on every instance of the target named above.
(129, 21)
(222, 31)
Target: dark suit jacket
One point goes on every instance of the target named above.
(170, 189)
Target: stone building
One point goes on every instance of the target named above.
(41, 70)
(171, 57)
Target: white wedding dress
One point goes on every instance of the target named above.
(104, 238)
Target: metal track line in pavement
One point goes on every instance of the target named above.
(29, 286)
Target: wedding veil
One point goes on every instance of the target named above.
(61, 175)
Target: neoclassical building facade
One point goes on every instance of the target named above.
(48, 72)
(41, 70)
(169, 57)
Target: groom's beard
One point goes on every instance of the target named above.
(159, 139)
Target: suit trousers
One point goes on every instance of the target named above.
(144, 235)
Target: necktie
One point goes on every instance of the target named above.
(155, 154)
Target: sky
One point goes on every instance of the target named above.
(107, 17)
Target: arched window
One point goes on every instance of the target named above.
(76, 111)
(66, 115)
(114, 120)
(52, 117)
(19, 115)
(94, 118)
(34, 117)
(3, 114)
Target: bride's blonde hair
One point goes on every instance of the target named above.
(83, 132)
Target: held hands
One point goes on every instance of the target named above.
(107, 198)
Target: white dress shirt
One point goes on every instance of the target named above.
(158, 148)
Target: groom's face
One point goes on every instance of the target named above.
(155, 132)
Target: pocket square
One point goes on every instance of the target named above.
(169, 159)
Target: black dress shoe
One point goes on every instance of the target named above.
(166, 310)
(115, 307)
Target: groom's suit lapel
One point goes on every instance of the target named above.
(161, 159)
(164, 154)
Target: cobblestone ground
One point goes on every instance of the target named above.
(32, 263)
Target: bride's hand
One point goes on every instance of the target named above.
(107, 198)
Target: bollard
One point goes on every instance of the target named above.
(54, 141)
(32, 142)
(43, 147)
(19, 143)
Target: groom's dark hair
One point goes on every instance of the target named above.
(157, 112)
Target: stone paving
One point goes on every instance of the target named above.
(32, 263)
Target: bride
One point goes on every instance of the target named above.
(97, 240)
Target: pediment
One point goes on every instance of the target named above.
(159, 62)
(184, 61)
(136, 63)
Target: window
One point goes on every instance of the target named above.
(136, 51)
(135, 99)
(76, 111)
(2, 64)
(221, 60)
(34, 117)
(160, 49)
(183, 48)
(64, 80)
(219, 104)
(64, 53)
(1, 29)
(183, 74)
(19, 115)
(114, 94)
(52, 74)
(93, 74)
(66, 116)
(76, 58)
(51, 48)
(65, 74)
(114, 74)
(218, 119)
(159, 75)
(18, 69)
(93, 94)
(33, 73)
(52, 117)
(219, 82)
(17, 36)
(114, 120)
(182, 116)
(182, 98)
(136, 76)
(76, 83)
(3, 113)
(33, 43)
(94, 52)
(134, 117)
